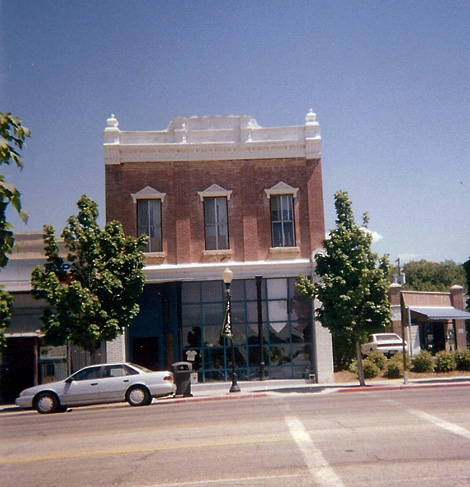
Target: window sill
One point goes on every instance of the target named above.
(216, 255)
(276, 251)
(154, 257)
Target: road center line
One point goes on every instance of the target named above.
(317, 464)
(149, 449)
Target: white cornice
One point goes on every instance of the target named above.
(212, 138)
(241, 270)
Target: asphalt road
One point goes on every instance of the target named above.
(407, 438)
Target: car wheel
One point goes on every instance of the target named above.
(46, 403)
(139, 396)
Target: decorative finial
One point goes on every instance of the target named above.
(311, 117)
(112, 122)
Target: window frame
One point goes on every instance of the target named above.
(282, 228)
(149, 194)
(278, 193)
(215, 192)
(220, 227)
(152, 230)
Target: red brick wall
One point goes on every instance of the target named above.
(248, 207)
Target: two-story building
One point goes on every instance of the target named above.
(212, 193)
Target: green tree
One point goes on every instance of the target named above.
(433, 276)
(12, 137)
(466, 267)
(93, 295)
(353, 283)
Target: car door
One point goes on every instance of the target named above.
(115, 382)
(83, 387)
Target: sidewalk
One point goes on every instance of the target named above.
(299, 386)
(255, 389)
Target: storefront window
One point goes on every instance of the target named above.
(286, 325)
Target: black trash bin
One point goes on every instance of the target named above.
(182, 378)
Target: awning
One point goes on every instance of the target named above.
(27, 334)
(441, 313)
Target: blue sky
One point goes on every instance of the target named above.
(388, 80)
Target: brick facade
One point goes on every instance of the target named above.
(248, 207)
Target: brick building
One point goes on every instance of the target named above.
(211, 193)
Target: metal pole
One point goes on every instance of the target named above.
(234, 387)
(405, 371)
(260, 327)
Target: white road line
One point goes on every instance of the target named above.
(231, 481)
(319, 468)
(441, 423)
(451, 427)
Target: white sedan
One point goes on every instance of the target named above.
(97, 384)
(387, 343)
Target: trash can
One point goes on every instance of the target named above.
(182, 378)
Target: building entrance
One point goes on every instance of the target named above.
(145, 352)
(18, 367)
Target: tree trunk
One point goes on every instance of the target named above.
(360, 370)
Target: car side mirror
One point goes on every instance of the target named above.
(69, 380)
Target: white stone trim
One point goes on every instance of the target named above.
(280, 189)
(213, 270)
(148, 193)
(215, 191)
(212, 138)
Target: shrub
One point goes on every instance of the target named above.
(423, 362)
(353, 367)
(379, 359)
(398, 357)
(462, 358)
(445, 361)
(394, 369)
(371, 370)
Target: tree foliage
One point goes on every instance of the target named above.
(12, 137)
(352, 290)
(93, 294)
(466, 267)
(433, 276)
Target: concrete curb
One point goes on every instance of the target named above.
(259, 389)
(373, 388)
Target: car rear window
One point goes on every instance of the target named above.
(115, 371)
(388, 338)
(131, 370)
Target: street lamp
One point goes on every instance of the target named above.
(227, 277)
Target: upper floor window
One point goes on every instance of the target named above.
(216, 223)
(149, 217)
(282, 221)
(282, 214)
(215, 201)
(149, 222)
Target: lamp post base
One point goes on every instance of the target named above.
(235, 387)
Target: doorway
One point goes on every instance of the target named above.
(145, 352)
